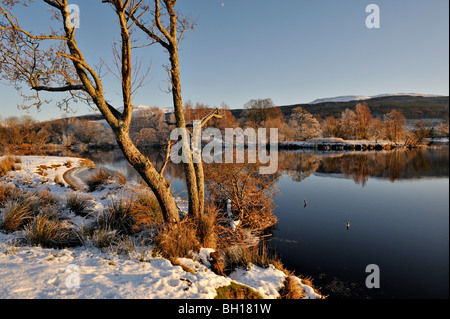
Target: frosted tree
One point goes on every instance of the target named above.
(395, 126)
(303, 124)
(363, 117)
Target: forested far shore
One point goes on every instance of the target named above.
(151, 127)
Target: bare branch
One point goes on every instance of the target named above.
(167, 158)
(160, 26)
(13, 24)
(59, 89)
(214, 114)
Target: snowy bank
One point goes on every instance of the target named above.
(88, 272)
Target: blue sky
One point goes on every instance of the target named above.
(292, 51)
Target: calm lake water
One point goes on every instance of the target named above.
(397, 205)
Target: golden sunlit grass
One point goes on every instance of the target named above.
(16, 214)
(176, 262)
(121, 218)
(237, 291)
(103, 177)
(48, 231)
(69, 164)
(291, 289)
(146, 210)
(20, 207)
(243, 256)
(309, 282)
(58, 180)
(6, 193)
(208, 227)
(8, 164)
(177, 240)
(85, 162)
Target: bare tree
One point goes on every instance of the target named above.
(166, 26)
(363, 119)
(442, 130)
(54, 62)
(304, 125)
(149, 127)
(259, 111)
(346, 127)
(376, 129)
(329, 127)
(418, 134)
(395, 124)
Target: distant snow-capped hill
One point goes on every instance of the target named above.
(349, 98)
(407, 94)
(344, 98)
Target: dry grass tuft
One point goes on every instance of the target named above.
(291, 289)
(243, 256)
(237, 291)
(177, 240)
(103, 177)
(78, 204)
(6, 193)
(16, 215)
(48, 231)
(43, 201)
(103, 237)
(146, 210)
(7, 164)
(176, 262)
(124, 218)
(207, 225)
(85, 162)
(217, 264)
(309, 282)
(119, 217)
(120, 178)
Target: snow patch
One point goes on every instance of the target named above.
(90, 273)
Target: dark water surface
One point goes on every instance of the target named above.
(397, 205)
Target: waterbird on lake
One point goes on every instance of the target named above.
(348, 225)
(304, 202)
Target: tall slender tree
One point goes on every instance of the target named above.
(363, 119)
(54, 62)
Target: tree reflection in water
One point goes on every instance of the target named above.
(360, 166)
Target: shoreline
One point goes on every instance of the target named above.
(321, 144)
(29, 271)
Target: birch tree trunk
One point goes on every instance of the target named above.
(61, 67)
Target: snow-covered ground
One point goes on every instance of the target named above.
(90, 273)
